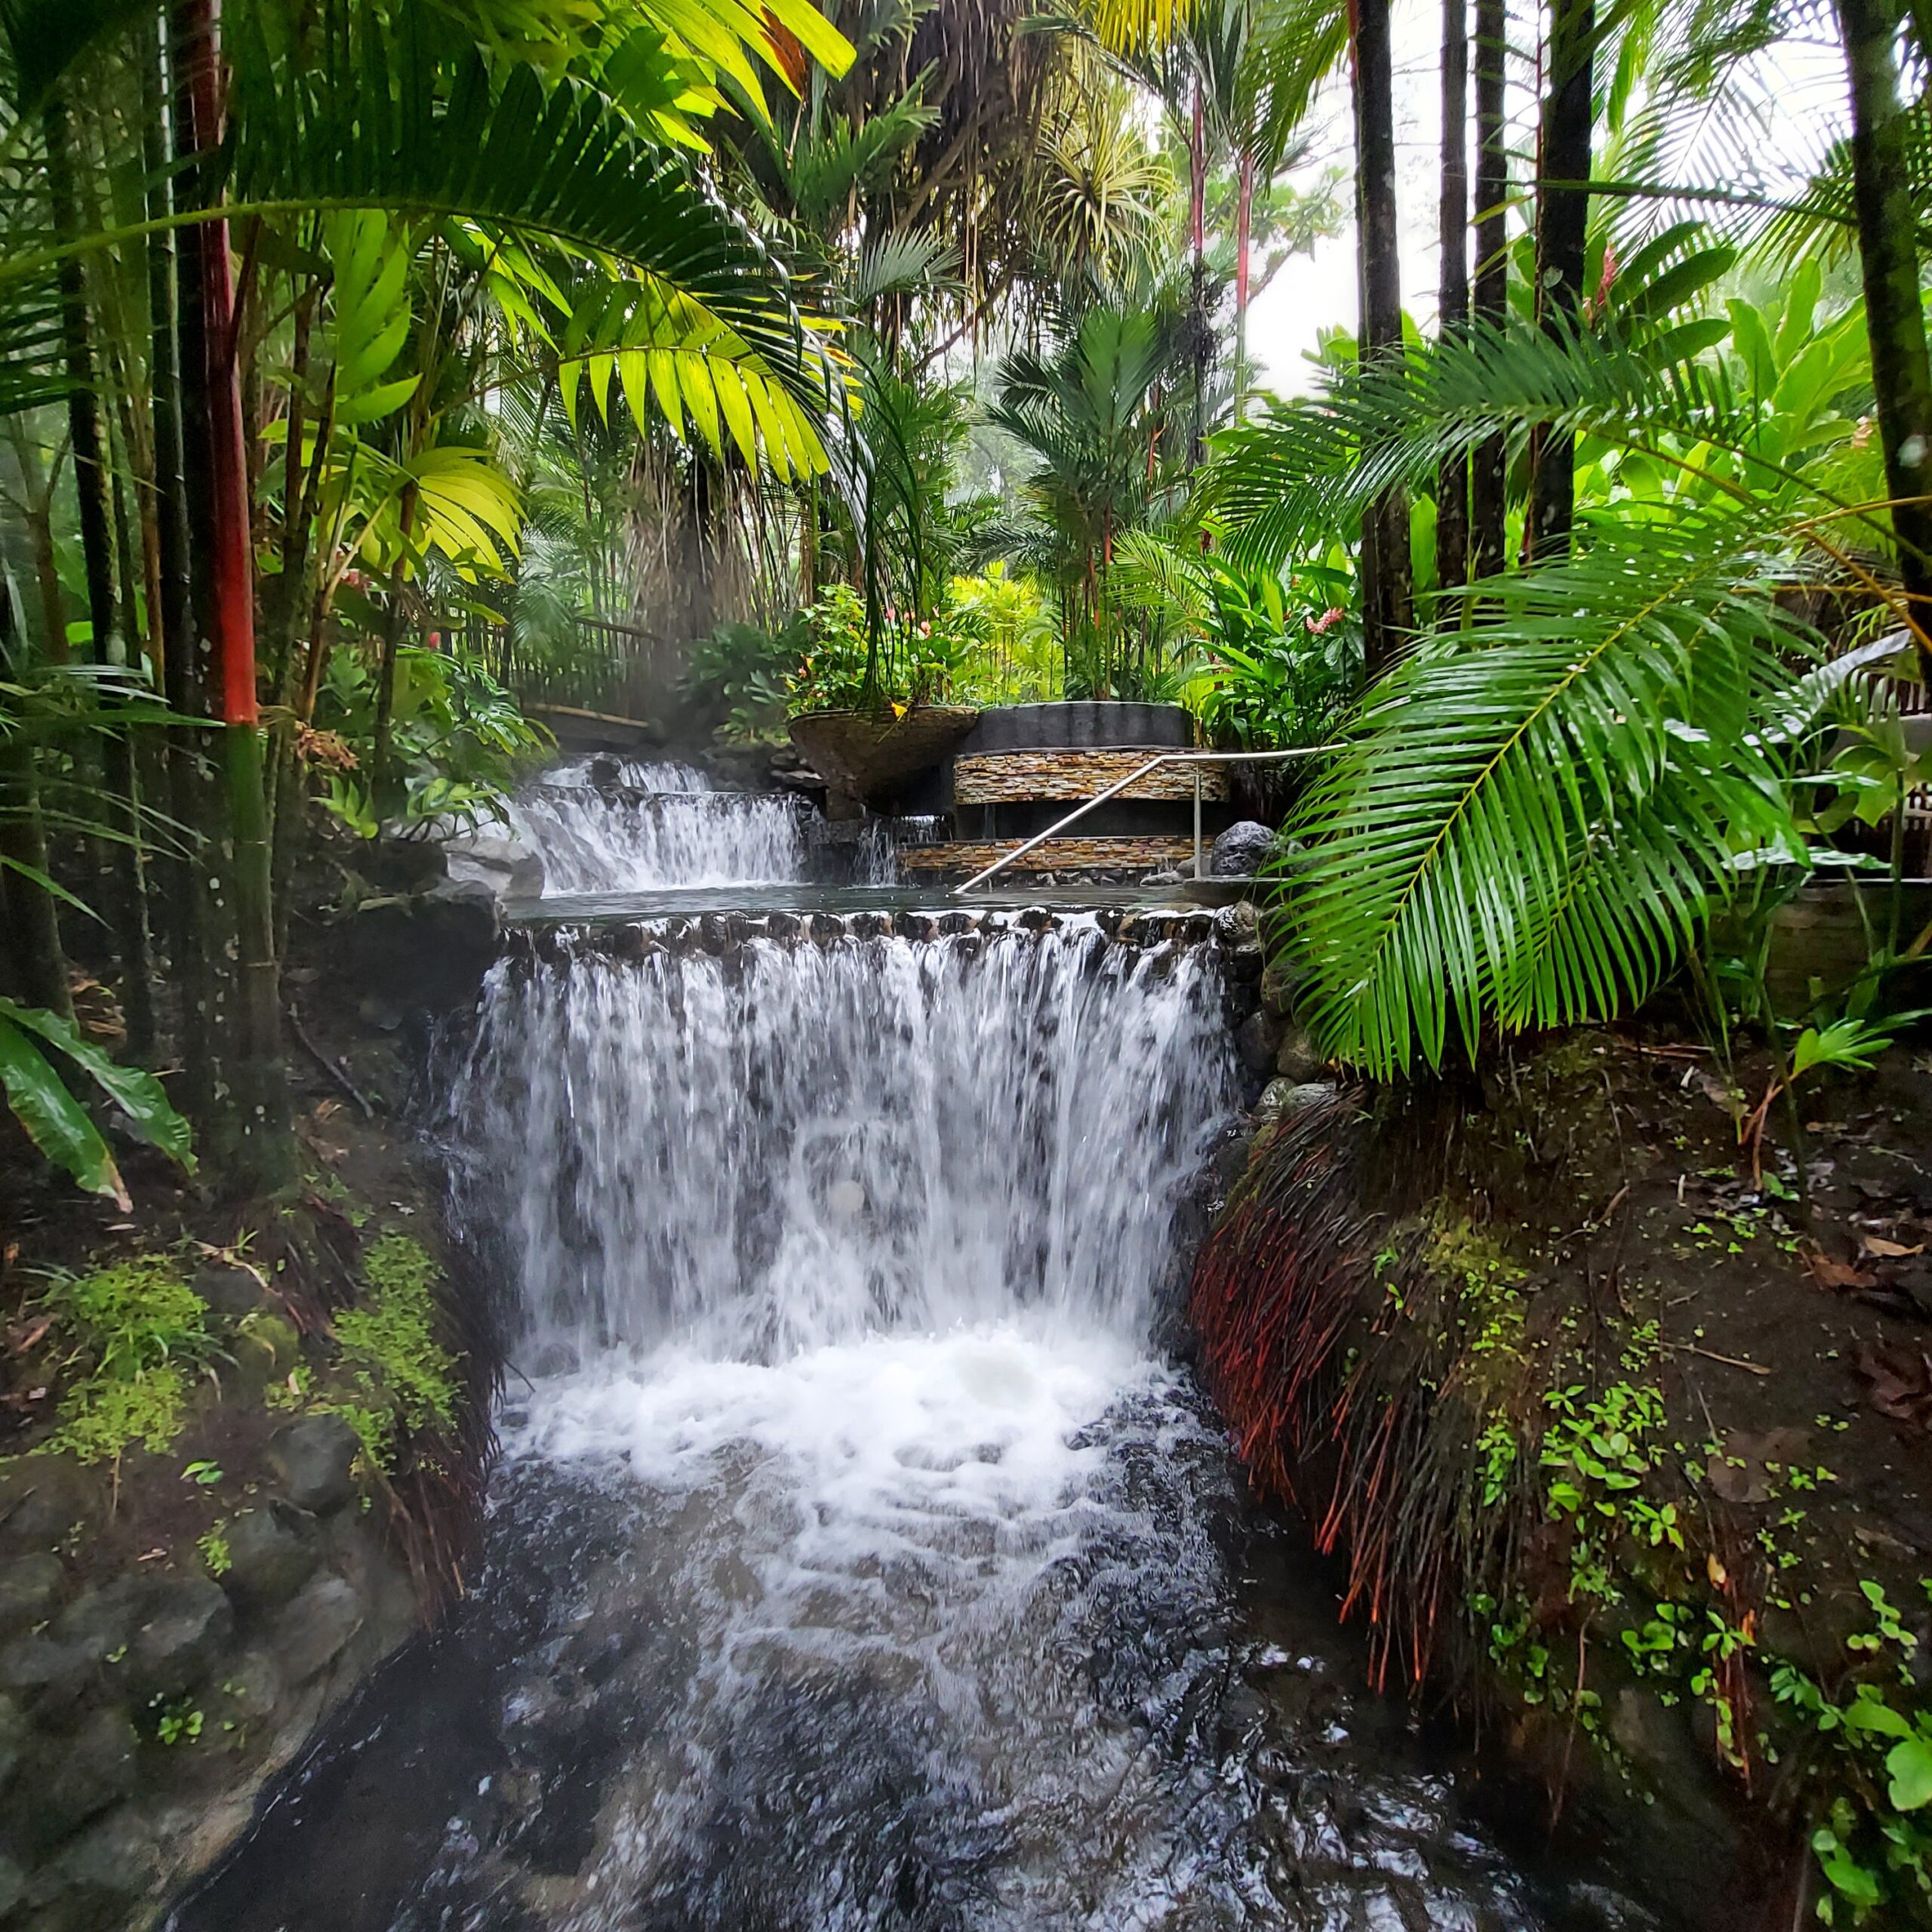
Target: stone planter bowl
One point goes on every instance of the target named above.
(870, 754)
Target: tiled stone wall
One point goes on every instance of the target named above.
(966, 856)
(1001, 778)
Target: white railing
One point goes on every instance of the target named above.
(1197, 759)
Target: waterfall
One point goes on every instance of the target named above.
(784, 1146)
(859, 1560)
(657, 824)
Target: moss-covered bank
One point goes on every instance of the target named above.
(1622, 1458)
(241, 1455)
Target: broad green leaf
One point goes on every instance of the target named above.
(138, 1094)
(1910, 1765)
(54, 1120)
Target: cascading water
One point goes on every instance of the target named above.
(656, 824)
(858, 1561)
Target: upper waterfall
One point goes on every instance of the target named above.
(653, 824)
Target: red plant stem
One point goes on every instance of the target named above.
(231, 605)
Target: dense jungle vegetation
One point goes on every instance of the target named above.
(375, 373)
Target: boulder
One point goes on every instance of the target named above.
(13, 1745)
(100, 1871)
(231, 1293)
(426, 951)
(41, 1498)
(1256, 1041)
(75, 1779)
(1281, 983)
(314, 1462)
(48, 1677)
(31, 1588)
(495, 858)
(1296, 1058)
(272, 1553)
(103, 1622)
(1281, 1099)
(1242, 849)
(187, 1624)
(310, 1633)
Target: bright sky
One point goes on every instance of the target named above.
(1313, 294)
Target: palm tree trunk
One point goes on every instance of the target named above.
(1452, 492)
(260, 1147)
(1197, 225)
(1487, 504)
(1894, 319)
(177, 667)
(121, 878)
(1563, 208)
(1387, 612)
(1244, 249)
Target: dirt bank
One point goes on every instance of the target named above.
(1626, 1453)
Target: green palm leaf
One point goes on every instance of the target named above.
(1530, 824)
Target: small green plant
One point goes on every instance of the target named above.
(176, 1720)
(403, 1371)
(213, 1544)
(204, 1474)
(132, 1331)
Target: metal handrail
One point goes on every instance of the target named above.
(1195, 759)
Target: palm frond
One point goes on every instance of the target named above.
(1308, 468)
(1529, 824)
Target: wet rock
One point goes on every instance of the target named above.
(188, 1624)
(310, 1635)
(496, 860)
(271, 1554)
(41, 1498)
(47, 1677)
(12, 1743)
(1231, 1158)
(1257, 1041)
(253, 1686)
(1282, 1099)
(229, 1292)
(75, 1779)
(13, 1887)
(31, 1588)
(103, 1622)
(1296, 1058)
(100, 1871)
(1242, 849)
(314, 1462)
(1280, 985)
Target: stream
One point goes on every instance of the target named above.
(859, 1556)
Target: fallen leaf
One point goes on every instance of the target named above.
(1888, 1251)
(1901, 1382)
(1716, 1570)
(1830, 1274)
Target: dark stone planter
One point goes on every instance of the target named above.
(871, 756)
(1080, 724)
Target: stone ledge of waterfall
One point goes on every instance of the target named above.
(1232, 930)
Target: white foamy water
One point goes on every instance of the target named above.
(665, 824)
